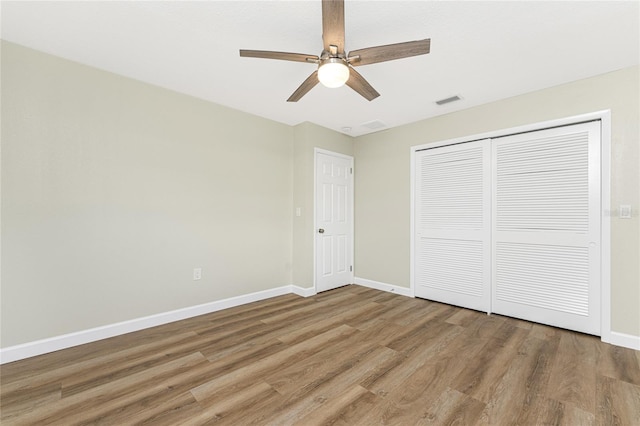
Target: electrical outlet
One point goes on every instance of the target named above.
(197, 274)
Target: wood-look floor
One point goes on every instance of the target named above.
(351, 356)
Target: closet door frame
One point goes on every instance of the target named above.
(604, 117)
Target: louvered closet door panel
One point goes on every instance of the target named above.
(546, 237)
(452, 225)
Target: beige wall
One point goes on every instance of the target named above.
(114, 190)
(307, 137)
(383, 182)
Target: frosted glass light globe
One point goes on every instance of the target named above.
(333, 72)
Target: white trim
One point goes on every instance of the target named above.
(592, 116)
(331, 153)
(403, 291)
(317, 151)
(606, 334)
(304, 292)
(39, 347)
(412, 218)
(624, 340)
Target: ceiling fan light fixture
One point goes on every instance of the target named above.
(333, 72)
(335, 67)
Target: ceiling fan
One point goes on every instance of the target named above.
(335, 67)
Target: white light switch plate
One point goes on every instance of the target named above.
(197, 274)
(625, 211)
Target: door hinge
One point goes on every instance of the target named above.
(351, 268)
(351, 170)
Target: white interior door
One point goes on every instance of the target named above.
(334, 220)
(452, 246)
(546, 233)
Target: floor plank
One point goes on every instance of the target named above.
(573, 378)
(618, 402)
(350, 356)
(452, 408)
(518, 394)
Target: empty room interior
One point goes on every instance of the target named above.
(320, 212)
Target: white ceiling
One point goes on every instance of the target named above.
(481, 51)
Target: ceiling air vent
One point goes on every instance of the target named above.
(374, 125)
(448, 100)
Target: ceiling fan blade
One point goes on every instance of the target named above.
(306, 85)
(360, 85)
(285, 56)
(390, 52)
(333, 24)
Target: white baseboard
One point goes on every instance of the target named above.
(404, 291)
(622, 339)
(39, 347)
(304, 292)
(613, 337)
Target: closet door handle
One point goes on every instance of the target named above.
(321, 231)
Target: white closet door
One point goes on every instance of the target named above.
(546, 226)
(452, 261)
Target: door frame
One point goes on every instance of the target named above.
(317, 151)
(604, 117)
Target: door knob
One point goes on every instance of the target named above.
(321, 231)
